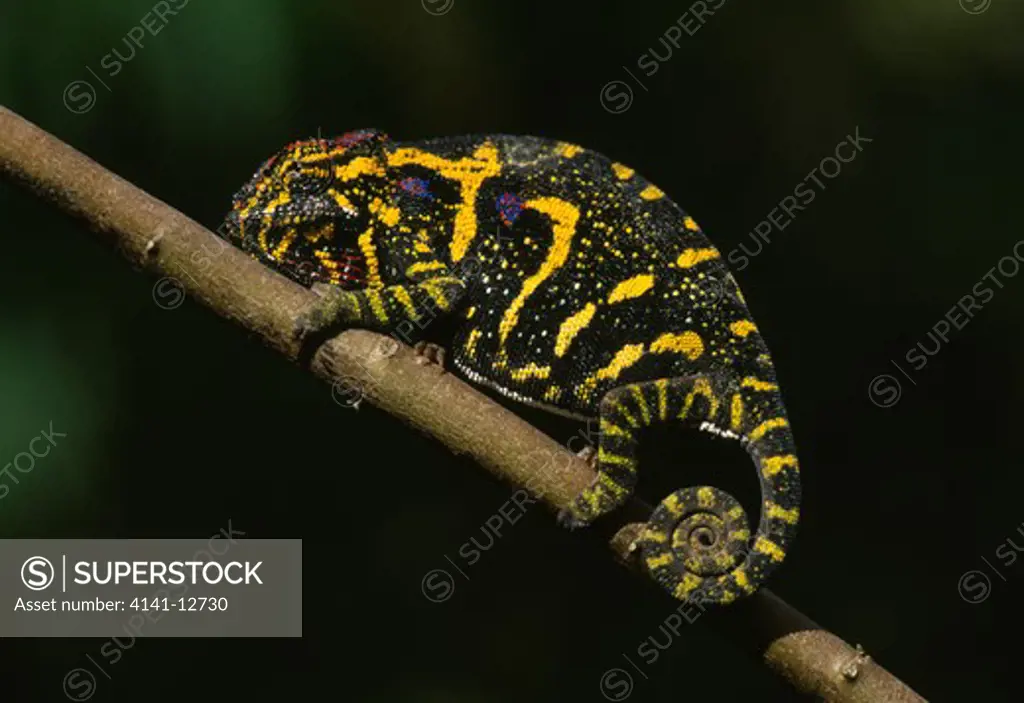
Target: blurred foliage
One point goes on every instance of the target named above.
(177, 422)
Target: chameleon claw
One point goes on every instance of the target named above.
(319, 316)
(589, 455)
(569, 521)
(306, 324)
(575, 517)
(570, 518)
(429, 353)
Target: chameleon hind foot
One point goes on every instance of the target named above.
(569, 518)
(429, 353)
(591, 504)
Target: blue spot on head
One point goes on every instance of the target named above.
(509, 208)
(417, 187)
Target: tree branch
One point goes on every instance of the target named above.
(158, 238)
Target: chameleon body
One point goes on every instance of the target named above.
(582, 289)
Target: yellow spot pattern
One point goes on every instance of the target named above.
(625, 413)
(740, 576)
(631, 288)
(531, 371)
(608, 458)
(687, 586)
(315, 235)
(690, 224)
(360, 166)
(377, 304)
(390, 215)
(435, 290)
(766, 427)
(757, 384)
(652, 193)
(659, 561)
(622, 172)
(662, 387)
(286, 241)
(329, 263)
(608, 483)
(689, 344)
(403, 297)
(564, 216)
(736, 412)
(673, 505)
(421, 266)
(569, 150)
(471, 341)
(701, 387)
(624, 358)
(766, 546)
(366, 246)
(343, 202)
(774, 464)
(705, 497)
(774, 510)
(641, 403)
(655, 536)
(613, 430)
(469, 173)
(741, 328)
(691, 257)
(571, 327)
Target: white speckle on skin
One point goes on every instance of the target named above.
(718, 431)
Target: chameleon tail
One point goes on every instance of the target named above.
(698, 543)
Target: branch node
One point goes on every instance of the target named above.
(623, 543)
(851, 669)
(152, 246)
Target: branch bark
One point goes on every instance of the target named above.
(194, 261)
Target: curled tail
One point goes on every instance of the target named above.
(698, 542)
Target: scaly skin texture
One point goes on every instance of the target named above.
(583, 290)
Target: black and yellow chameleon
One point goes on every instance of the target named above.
(583, 290)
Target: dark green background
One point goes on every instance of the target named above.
(177, 421)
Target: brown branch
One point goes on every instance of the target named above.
(158, 238)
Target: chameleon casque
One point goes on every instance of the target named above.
(582, 289)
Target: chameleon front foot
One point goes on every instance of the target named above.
(333, 307)
(429, 353)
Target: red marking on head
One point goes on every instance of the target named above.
(349, 139)
(350, 270)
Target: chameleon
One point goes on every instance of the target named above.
(579, 287)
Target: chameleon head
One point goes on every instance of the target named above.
(304, 209)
